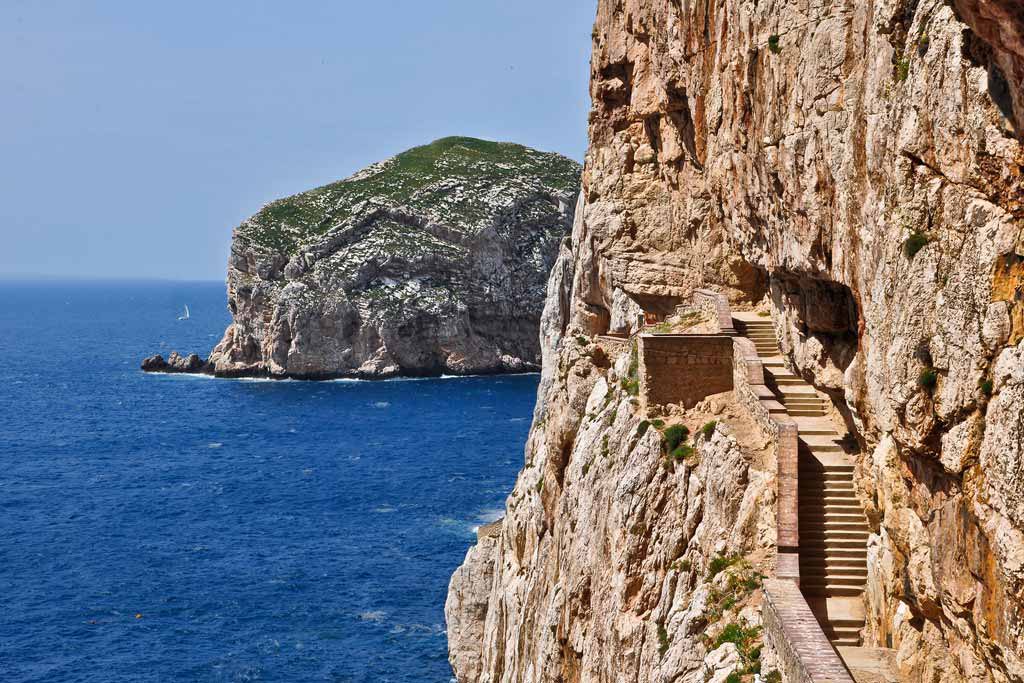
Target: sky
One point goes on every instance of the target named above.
(135, 135)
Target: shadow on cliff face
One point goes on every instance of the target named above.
(820, 322)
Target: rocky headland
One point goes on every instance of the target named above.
(853, 172)
(432, 262)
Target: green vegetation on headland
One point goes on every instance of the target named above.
(458, 182)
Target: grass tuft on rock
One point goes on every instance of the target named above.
(902, 70)
(663, 641)
(928, 379)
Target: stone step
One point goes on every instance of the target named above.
(845, 641)
(847, 636)
(794, 405)
(821, 443)
(807, 492)
(800, 412)
(819, 478)
(853, 526)
(832, 511)
(835, 592)
(831, 545)
(848, 576)
(831, 588)
(816, 428)
(813, 474)
(832, 583)
(815, 500)
(833, 538)
(846, 500)
(812, 469)
(836, 563)
(811, 551)
(813, 490)
(814, 504)
(797, 391)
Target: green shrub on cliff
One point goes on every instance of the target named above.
(675, 435)
(683, 452)
(721, 563)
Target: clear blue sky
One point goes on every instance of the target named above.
(134, 135)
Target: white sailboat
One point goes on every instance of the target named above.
(186, 316)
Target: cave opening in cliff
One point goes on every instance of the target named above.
(819, 321)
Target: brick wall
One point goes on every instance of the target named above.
(684, 368)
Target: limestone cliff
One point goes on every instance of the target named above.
(434, 261)
(855, 168)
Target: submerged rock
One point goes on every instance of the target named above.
(432, 262)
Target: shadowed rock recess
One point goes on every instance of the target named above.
(850, 172)
(432, 262)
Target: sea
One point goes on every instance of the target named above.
(183, 528)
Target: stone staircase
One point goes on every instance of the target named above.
(833, 528)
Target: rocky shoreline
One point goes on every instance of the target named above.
(194, 364)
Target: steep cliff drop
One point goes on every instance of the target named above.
(431, 262)
(853, 171)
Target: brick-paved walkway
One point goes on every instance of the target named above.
(805, 654)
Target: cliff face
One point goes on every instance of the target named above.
(855, 167)
(434, 261)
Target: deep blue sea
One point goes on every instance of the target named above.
(172, 528)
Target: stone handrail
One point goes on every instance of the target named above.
(800, 650)
(717, 305)
(750, 387)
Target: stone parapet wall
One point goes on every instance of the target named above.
(684, 369)
(748, 378)
(798, 648)
(715, 307)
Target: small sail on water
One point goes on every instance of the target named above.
(186, 316)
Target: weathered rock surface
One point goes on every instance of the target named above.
(432, 262)
(786, 153)
(601, 570)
